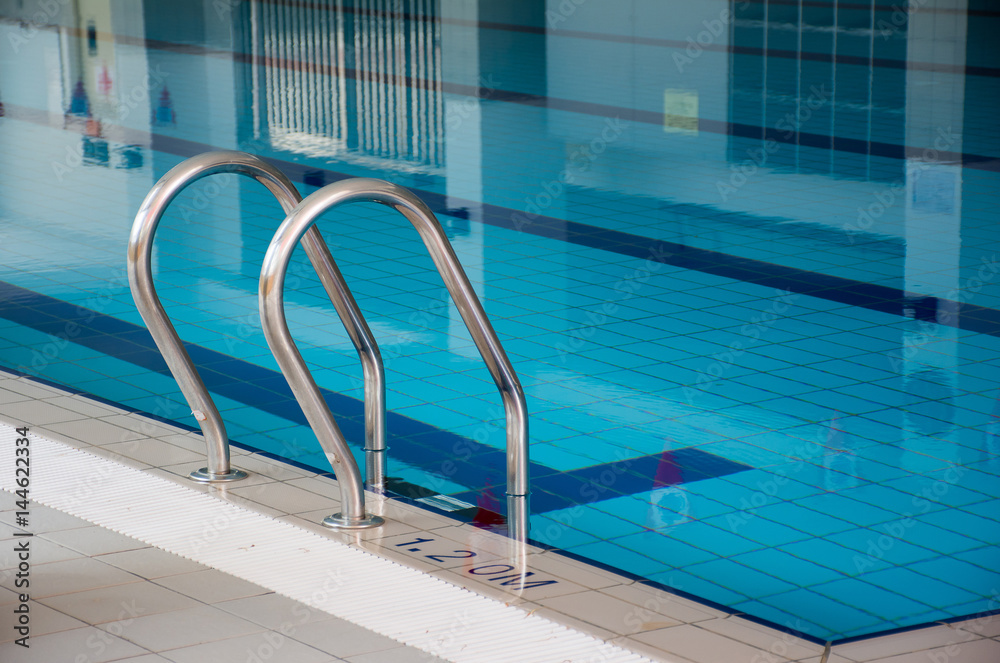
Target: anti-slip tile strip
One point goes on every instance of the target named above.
(414, 442)
(391, 599)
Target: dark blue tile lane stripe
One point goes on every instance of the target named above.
(832, 288)
(846, 291)
(608, 481)
(432, 449)
(637, 578)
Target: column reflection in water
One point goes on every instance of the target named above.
(935, 110)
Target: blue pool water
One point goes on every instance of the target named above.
(742, 255)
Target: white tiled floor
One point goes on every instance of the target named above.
(101, 596)
(87, 576)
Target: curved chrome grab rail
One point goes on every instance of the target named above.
(272, 313)
(140, 278)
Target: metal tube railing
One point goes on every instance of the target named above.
(140, 277)
(279, 339)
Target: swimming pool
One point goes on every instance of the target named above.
(743, 260)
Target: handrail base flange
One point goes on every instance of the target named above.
(338, 521)
(204, 476)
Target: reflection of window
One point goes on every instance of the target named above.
(129, 157)
(680, 111)
(805, 74)
(934, 190)
(91, 39)
(936, 412)
(359, 83)
(95, 151)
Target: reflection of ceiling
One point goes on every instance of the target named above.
(343, 103)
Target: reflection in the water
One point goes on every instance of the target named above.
(669, 503)
(991, 435)
(819, 79)
(361, 86)
(839, 462)
(163, 114)
(732, 152)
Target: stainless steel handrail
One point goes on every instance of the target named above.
(140, 277)
(272, 280)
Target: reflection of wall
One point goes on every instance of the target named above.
(935, 114)
(94, 170)
(88, 74)
(205, 91)
(341, 106)
(105, 81)
(794, 87)
(633, 68)
(822, 52)
(94, 57)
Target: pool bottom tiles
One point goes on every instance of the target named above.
(850, 538)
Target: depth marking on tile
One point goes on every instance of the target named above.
(411, 607)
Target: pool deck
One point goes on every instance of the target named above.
(197, 603)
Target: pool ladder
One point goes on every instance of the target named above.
(299, 225)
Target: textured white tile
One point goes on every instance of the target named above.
(154, 452)
(74, 575)
(150, 562)
(654, 602)
(95, 431)
(272, 469)
(903, 643)
(43, 620)
(119, 602)
(608, 612)
(211, 586)
(42, 551)
(697, 644)
(270, 646)
(399, 655)
(286, 498)
(341, 638)
(45, 519)
(93, 644)
(29, 387)
(767, 639)
(94, 540)
(8, 396)
(144, 426)
(960, 651)
(181, 628)
(987, 626)
(84, 406)
(273, 611)
(590, 577)
(566, 620)
(38, 413)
